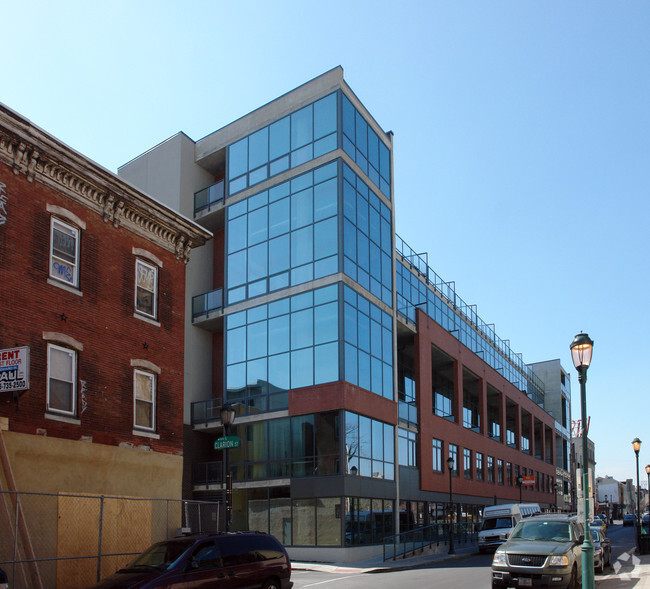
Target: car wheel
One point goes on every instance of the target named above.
(271, 584)
(481, 550)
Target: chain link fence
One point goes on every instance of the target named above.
(66, 541)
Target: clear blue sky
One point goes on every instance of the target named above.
(522, 142)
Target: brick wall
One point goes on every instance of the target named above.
(102, 319)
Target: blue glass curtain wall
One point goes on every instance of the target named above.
(307, 134)
(312, 338)
(283, 236)
(369, 447)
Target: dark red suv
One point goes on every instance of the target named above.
(246, 560)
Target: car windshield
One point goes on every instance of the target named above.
(542, 530)
(492, 523)
(160, 556)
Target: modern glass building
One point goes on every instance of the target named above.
(353, 368)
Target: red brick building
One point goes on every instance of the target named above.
(92, 290)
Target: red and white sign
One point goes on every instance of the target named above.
(529, 480)
(14, 369)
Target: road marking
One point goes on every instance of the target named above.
(330, 581)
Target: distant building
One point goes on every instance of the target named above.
(610, 496)
(355, 370)
(557, 401)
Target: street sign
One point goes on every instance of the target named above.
(227, 442)
(529, 480)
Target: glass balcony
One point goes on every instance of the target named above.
(408, 412)
(208, 197)
(206, 411)
(207, 473)
(204, 304)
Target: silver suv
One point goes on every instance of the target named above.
(543, 550)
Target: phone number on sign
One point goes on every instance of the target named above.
(10, 386)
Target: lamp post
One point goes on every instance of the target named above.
(636, 444)
(227, 418)
(520, 484)
(555, 488)
(450, 468)
(581, 349)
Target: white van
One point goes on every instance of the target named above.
(499, 520)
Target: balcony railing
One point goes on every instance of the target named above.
(206, 198)
(206, 411)
(207, 473)
(206, 303)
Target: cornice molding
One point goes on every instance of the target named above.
(29, 150)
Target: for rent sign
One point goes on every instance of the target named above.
(14, 369)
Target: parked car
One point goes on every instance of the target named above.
(645, 520)
(242, 559)
(499, 521)
(542, 550)
(628, 519)
(602, 549)
(600, 524)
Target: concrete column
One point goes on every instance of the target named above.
(458, 392)
(502, 417)
(518, 426)
(482, 405)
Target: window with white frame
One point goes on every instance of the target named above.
(146, 288)
(144, 386)
(61, 380)
(64, 252)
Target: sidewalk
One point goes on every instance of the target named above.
(631, 572)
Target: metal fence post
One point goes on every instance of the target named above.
(99, 544)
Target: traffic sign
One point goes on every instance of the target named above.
(529, 480)
(227, 442)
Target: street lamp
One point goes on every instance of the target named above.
(555, 488)
(636, 444)
(581, 349)
(520, 484)
(450, 468)
(227, 418)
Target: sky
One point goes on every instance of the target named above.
(521, 142)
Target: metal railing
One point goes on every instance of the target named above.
(410, 542)
(206, 303)
(71, 541)
(204, 199)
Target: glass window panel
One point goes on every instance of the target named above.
(256, 377)
(279, 281)
(375, 339)
(348, 118)
(302, 155)
(279, 254)
(238, 158)
(365, 437)
(362, 215)
(302, 247)
(279, 372)
(302, 368)
(258, 288)
(326, 294)
(257, 314)
(384, 163)
(373, 149)
(364, 370)
(325, 116)
(351, 370)
(279, 191)
(325, 145)
(376, 378)
(236, 294)
(375, 261)
(349, 240)
(375, 225)
(328, 519)
(236, 319)
(236, 379)
(279, 138)
(237, 268)
(325, 172)
(326, 267)
(302, 301)
(302, 274)
(302, 208)
(258, 148)
(279, 217)
(363, 278)
(377, 440)
(326, 323)
(301, 127)
(325, 238)
(257, 176)
(258, 200)
(304, 522)
(386, 345)
(257, 262)
(326, 363)
(363, 322)
(236, 345)
(257, 340)
(325, 202)
(349, 202)
(237, 209)
(361, 139)
(302, 329)
(279, 334)
(350, 326)
(279, 165)
(237, 234)
(237, 185)
(302, 182)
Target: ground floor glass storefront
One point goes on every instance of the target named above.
(337, 521)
